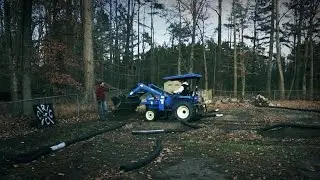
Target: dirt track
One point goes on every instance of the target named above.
(227, 147)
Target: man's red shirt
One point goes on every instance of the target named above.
(100, 93)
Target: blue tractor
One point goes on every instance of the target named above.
(162, 104)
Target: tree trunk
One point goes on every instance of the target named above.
(219, 40)
(255, 34)
(143, 42)
(152, 68)
(27, 46)
(230, 32)
(179, 46)
(69, 35)
(116, 46)
(295, 56)
(305, 63)
(281, 78)
(158, 66)
(88, 50)
(298, 59)
(311, 31)
(205, 68)
(269, 67)
(131, 58)
(126, 56)
(243, 67)
(139, 59)
(193, 35)
(311, 69)
(111, 49)
(1, 20)
(12, 61)
(204, 58)
(214, 66)
(235, 76)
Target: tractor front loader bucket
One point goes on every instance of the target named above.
(124, 105)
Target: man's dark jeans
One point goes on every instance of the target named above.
(102, 105)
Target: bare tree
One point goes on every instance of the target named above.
(311, 71)
(153, 64)
(314, 8)
(116, 44)
(111, 37)
(219, 13)
(235, 76)
(281, 78)
(269, 66)
(138, 25)
(243, 17)
(295, 53)
(179, 46)
(127, 53)
(88, 50)
(202, 33)
(195, 7)
(27, 46)
(219, 39)
(12, 61)
(298, 54)
(255, 37)
(1, 19)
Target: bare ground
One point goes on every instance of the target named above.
(228, 147)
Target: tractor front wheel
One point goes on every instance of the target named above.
(150, 115)
(184, 111)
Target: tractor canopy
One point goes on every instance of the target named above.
(183, 77)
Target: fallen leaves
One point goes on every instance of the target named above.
(299, 104)
(15, 126)
(211, 141)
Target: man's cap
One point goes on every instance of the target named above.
(185, 83)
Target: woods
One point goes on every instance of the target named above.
(63, 47)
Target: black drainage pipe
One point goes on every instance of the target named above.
(301, 126)
(295, 109)
(143, 162)
(33, 155)
(156, 131)
(213, 115)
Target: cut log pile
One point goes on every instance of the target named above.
(260, 100)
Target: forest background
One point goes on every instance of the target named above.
(58, 47)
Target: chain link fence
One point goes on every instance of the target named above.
(74, 105)
(275, 94)
(65, 106)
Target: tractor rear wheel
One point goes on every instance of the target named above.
(150, 115)
(184, 111)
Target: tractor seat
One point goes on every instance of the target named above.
(185, 93)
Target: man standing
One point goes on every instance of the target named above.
(101, 99)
